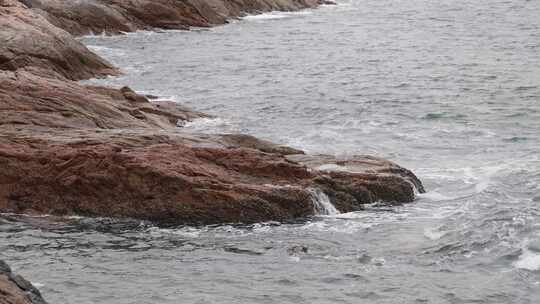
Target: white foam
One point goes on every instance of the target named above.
(106, 51)
(345, 227)
(166, 98)
(434, 196)
(332, 167)
(294, 259)
(281, 186)
(186, 232)
(75, 217)
(268, 16)
(482, 176)
(434, 233)
(94, 35)
(275, 15)
(216, 125)
(528, 260)
(321, 203)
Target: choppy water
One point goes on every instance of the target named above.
(450, 89)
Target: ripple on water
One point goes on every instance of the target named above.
(447, 89)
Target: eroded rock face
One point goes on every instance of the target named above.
(67, 148)
(367, 178)
(175, 177)
(117, 16)
(29, 42)
(14, 289)
(30, 100)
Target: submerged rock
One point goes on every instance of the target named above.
(14, 289)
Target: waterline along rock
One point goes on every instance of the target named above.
(73, 149)
(119, 16)
(29, 42)
(14, 289)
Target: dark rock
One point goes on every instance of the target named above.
(151, 97)
(31, 3)
(364, 259)
(4, 268)
(297, 249)
(14, 289)
(22, 283)
(242, 251)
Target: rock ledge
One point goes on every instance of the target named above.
(14, 289)
(73, 149)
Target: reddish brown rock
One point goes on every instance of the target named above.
(367, 178)
(14, 289)
(27, 99)
(67, 148)
(172, 177)
(29, 42)
(117, 16)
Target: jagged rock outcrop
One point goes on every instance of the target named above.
(116, 16)
(27, 99)
(73, 149)
(14, 289)
(29, 42)
(68, 148)
(175, 177)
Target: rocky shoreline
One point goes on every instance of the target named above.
(120, 16)
(68, 148)
(73, 149)
(14, 289)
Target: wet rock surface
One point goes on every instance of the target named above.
(172, 177)
(118, 16)
(73, 149)
(27, 99)
(29, 42)
(14, 289)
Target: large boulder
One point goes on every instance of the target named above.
(67, 148)
(28, 41)
(177, 177)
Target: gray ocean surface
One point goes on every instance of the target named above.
(449, 89)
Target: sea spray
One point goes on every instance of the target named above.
(321, 203)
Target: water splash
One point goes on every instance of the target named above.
(276, 15)
(321, 203)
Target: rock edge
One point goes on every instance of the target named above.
(73, 149)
